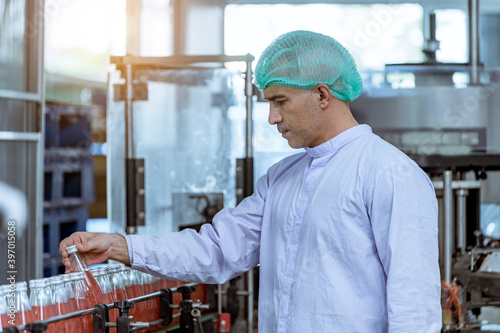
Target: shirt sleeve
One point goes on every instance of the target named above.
(402, 207)
(222, 250)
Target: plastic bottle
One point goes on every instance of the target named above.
(125, 277)
(19, 297)
(119, 291)
(3, 308)
(83, 300)
(117, 283)
(137, 290)
(69, 286)
(50, 290)
(41, 302)
(61, 300)
(78, 265)
(157, 283)
(150, 285)
(102, 279)
(104, 282)
(54, 327)
(153, 311)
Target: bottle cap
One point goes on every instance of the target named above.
(113, 269)
(52, 280)
(95, 271)
(21, 286)
(71, 249)
(38, 283)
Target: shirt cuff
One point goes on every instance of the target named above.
(134, 246)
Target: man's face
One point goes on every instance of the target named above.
(297, 115)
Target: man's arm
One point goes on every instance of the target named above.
(219, 252)
(403, 212)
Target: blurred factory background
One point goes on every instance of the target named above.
(139, 116)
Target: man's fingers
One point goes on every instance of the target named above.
(93, 244)
(77, 239)
(62, 247)
(73, 239)
(94, 247)
(82, 247)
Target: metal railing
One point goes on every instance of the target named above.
(189, 314)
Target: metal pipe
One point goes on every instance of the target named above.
(249, 154)
(432, 26)
(21, 95)
(461, 219)
(129, 141)
(448, 225)
(474, 41)
(219, 299)
(249, 120)
(250, 301)
(129, 111)
(62, 317)
(238, 293)
(134, 8)
(84, 313)
(80, 313)
(179, 19)
(38, 244)
(177, 60)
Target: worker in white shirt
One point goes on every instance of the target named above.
(345, 232)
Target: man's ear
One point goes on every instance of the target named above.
(324, 94)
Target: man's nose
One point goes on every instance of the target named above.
(274, 117)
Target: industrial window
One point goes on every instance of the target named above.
(375, 34)
(451, 31)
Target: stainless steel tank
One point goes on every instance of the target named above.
(436, 120)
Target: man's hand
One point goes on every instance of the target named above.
(95, 248)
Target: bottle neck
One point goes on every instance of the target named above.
(77, 264)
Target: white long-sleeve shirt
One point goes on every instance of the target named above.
(345, 234)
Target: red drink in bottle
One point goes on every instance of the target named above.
(3, 307)
(95, 293)
(69, 287)
(41, 301)
(78, 265)
(118, 281)
(83, 301)
(61, 299)
(23, 313)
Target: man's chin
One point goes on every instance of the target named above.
(295, 145)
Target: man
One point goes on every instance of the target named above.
(345, 232)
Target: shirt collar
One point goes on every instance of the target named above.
(339, 141)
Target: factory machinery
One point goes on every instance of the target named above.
(188, 316)
(450, 130)
(173, 128)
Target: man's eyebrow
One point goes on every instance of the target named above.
(274, 97)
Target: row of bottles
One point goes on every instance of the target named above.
(80, 290)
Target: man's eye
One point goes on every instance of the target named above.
(280, 102)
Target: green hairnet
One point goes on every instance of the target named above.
(304, 59)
